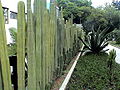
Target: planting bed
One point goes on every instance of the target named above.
(95, 72)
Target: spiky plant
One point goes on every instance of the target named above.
(96, 41)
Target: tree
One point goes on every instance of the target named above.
(80, 3)
(95, 19)
(113, 16)
(74, 7)
(104, 17)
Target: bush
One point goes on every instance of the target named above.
(93, 73)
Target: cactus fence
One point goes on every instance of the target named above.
(46, 41)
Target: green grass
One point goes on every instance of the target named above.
(92, 73)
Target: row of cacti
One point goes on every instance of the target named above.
(46, 41)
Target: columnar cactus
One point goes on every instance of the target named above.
(43, 46)
(52, 37)
(31, 49)
(38, 38)
(4, 61)
(44, 63)
(21, 46)
(47, 16)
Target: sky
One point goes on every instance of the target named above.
(48, 1)
(97, 3)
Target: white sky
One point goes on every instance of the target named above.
(48, 1)
(97, 3)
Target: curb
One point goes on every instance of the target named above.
(65, 82)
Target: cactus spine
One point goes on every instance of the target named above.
(21, 46)
(4, 61)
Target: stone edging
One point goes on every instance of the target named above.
(65, 82)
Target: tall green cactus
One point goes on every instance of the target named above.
(43, 49)
(46, 17)
(49, 48)
(21, 24)
(37, 14)
(31, 49)
(4, 61)
(52, 18)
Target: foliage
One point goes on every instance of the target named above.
(104, 17)
(92, 72)
(12, 49)
(113, 16)
(84, 13)
(73, 7)
(116, 35)
(12, 46)
(78, 3)
(13, 33)
(96, 40)
(96, 18)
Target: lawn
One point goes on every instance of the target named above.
(93, 73)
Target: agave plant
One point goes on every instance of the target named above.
(96, 41)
